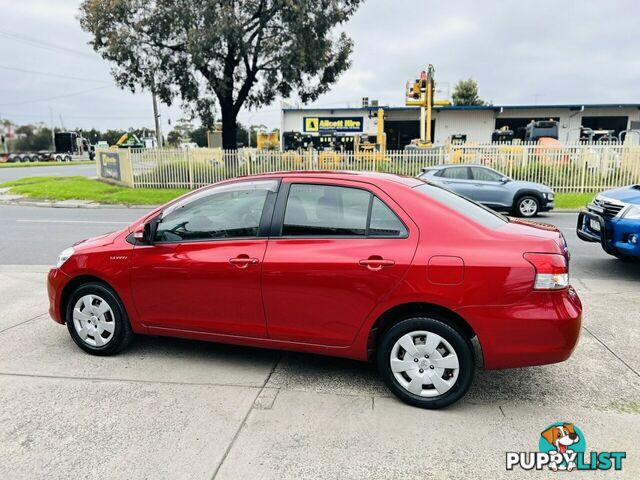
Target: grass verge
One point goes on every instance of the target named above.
(44, 164)
(82, 188)
(573, 200)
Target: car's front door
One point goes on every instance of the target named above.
(490, 187)
(202, 273)
(337, 249)
(457, 179)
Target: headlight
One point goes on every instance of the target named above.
(64, 256)
(549, 196)
(632, 213)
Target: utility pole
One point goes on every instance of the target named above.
(156, 117)
(53, 136)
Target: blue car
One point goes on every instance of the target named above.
(613, 220)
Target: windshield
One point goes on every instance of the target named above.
(472, 210)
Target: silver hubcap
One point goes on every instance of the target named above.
(93, 320)
(528, 207)
(424, 363)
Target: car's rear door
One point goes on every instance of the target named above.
(203, 271)
(337, 249)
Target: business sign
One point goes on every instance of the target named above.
(332, 124)
(110, 165)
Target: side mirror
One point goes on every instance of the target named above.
(505, 179)
(146, 232)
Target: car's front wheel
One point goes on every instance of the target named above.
(527, 206)
(97, 321)
(425, 362)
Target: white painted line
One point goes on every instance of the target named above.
(73, 221)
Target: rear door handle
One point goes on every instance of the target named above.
(243, 261)
(376, 263)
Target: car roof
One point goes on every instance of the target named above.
(440, 167)
(373, 177)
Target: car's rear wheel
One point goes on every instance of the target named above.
(97, 321)
(527, 206)
(426, 362)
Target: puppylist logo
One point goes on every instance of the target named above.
(563, 447)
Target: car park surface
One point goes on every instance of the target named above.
(237, 412)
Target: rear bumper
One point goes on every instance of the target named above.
(543, 330)
(56, 281)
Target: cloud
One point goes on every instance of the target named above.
(550, 51)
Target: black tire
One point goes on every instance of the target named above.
(122, 335)
(462, 347)
(526, 199)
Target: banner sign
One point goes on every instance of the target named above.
(332, 124)
(110, 165)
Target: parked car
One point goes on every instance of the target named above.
(613, 220)
(364, 266)
(493, 189)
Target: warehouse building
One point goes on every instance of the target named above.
(401, 124)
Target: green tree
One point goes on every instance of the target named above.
(174, 138)
(199, 135)
(466, 93)
(233, 53)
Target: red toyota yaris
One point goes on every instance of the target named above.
(364, 266)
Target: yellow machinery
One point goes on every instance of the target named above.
(363, 148)
(420, 93)
(269, 141)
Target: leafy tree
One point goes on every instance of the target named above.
(466, 93)
(199, 135)
(233, 53)
(174, 138)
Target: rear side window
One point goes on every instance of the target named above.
(456, 173)
(328, 210)
(385, 223)
(474, 211)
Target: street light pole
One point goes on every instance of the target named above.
(156, 118)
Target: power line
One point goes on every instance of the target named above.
(42, 44)
(82, 92)
(68, 77)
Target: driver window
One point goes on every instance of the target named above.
(227, 211)
(485, 175)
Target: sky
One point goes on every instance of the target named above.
(542, 52)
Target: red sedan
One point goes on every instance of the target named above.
(364, 266)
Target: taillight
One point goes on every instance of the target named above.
(552, 271)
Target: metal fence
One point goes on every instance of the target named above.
(565, 168)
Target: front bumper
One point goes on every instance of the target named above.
(545, 329)
(614, 235)
(56, 281)
(547, 206)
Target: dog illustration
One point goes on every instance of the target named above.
(561, 437)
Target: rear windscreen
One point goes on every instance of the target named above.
(472, 210)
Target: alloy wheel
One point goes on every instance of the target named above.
(528, 207)
(424, 363)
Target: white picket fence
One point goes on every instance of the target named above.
(566, 168)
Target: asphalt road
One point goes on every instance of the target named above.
(35, 236)
(66, 170)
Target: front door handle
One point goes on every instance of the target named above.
(376, 262)
(243, 261)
